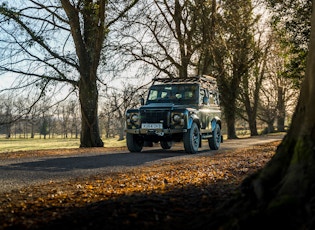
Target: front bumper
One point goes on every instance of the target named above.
(157, 132)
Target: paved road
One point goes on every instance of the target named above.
(14, 174)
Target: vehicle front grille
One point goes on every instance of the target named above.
(156, 116)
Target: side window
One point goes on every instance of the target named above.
(164, 95)
(188, 94)
(217, 98)
(201, 96)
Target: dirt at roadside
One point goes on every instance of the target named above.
(147, 197)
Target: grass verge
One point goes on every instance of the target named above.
(30, 144)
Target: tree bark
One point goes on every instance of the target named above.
(251, 107)
(230, 90)
(90, 134)
(282, 194)
(230, 123)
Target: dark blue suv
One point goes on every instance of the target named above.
(176, 110)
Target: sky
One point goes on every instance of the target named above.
(6, 80)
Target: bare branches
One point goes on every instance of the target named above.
(167, 37)
(122, 13)
(36, 37)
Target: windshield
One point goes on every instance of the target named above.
(177, 94)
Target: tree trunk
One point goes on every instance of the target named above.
(271, 128)
(251, 106)
(282, 194)
(228, 102)
(230, 124)
(252, 126)
(251, 111)
(32, 131)
(280, 109)
(88, 95)
(251, 117)
(8, 130)
(121, 132)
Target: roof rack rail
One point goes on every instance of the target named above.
(208, 81)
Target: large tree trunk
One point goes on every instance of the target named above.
(252, 126)
(90, 134)
(282, 195)
(230, 125)
(228, 102)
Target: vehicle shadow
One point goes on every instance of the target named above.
(92, 162)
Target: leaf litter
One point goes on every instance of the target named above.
(166, 195)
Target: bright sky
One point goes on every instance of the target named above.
(6, 80)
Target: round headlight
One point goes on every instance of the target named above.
(176, 118)
(135, 117)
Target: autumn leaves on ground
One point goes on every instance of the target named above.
(176, 195)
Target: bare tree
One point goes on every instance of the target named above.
(165, 37)
(251, 85)
(50, 42)
(279, 94)
(267, 109)
(118, 102)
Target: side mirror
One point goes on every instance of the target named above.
(141, 100)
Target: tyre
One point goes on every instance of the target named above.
(134, 142)
(166, 144)
(191, 139)
(215, 140)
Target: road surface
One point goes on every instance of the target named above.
(17, 173)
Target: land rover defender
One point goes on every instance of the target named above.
(177, 110)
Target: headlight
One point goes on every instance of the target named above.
(135, 117)
(132, 119)
(176, 118)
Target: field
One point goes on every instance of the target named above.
(22, 144)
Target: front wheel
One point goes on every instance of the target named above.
(192, 139)
(134, 142)
(215, 140)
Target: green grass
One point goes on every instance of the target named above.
(21, 144)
